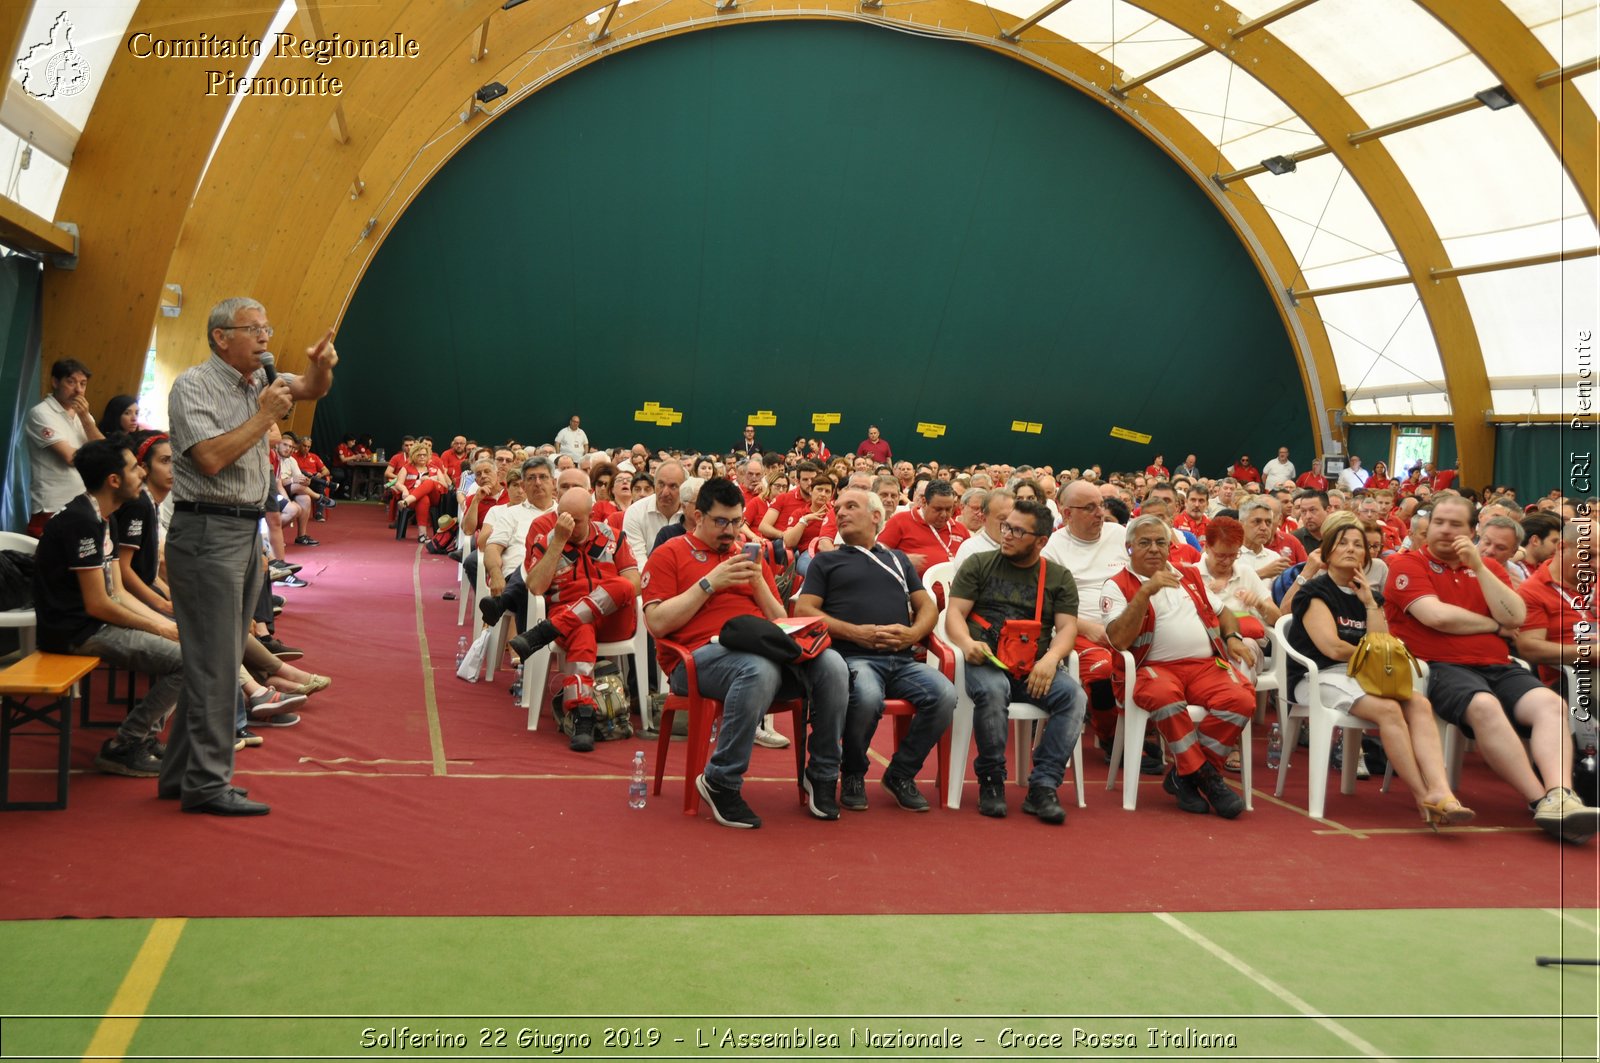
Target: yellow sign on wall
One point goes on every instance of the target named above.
(1030, 427)
(658, 415)
(762, 419)
(1130, 434)
(821, 422)
(931, 431)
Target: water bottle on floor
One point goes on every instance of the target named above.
(636, 784)
(1274, 747)
(461, 652)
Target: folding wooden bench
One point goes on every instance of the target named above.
(39, 675)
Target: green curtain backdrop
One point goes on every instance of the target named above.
(1538, 458)
(19, 378)
(819, 218)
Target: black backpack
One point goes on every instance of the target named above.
(16, 580)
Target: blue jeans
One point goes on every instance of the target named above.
(992, 691)
(874, 677)
(747, 685)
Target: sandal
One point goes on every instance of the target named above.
(1451, 813)
(1234, 763)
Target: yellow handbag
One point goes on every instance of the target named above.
(1383, 666)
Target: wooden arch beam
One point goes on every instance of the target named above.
(1331, 117)
(1508, 48)
(408, 135)
(137, 164)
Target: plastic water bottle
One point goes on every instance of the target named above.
(636, 784)
(1274, 747)
(461, 652)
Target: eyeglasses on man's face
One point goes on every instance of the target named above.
(726, 523)
(262, 331)
(1011, 530)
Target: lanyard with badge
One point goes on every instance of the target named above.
(894, 571)
(948, 545)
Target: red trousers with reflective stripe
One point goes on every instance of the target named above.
(1094, 666)
(579, 639)
(1203, 682)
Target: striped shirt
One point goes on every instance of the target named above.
(209, 400)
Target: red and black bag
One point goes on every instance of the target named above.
(1020, 640)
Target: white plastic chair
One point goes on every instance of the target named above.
(22, 620)
(502, 626)
(536, 669)
(1321, 719)
(465, 591)
(1128, 745)
(1024, 715)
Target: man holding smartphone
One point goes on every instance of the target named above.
(693, 585)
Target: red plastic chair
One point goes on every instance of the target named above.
(702, 710)
(901, 712)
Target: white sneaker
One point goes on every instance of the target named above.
(771, 739)
(1562, 814)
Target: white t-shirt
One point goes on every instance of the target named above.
(572, 441)
(976, 543)
(55, 481)
(1351, 479)
(508, 526)
(1179, 634)
(1277, 472)
(1243, 581)
(1091, 564)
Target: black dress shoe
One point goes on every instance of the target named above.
(173, 795)
(230, 804)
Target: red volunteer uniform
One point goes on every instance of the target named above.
(1284, 544)
(755, 507)
(680, 563)
(1563, 613)
(588, 602)
(789, 502)
(1158, 471)
(911, 533)
(1312, 481)
(1417, 574)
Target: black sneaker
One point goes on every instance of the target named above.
(820, 799)
(1223, 798)
(156, 746)
(305, 540)
(491, 609)
(293, 581)
(280, 651)
(992, 797)
(1042, 802)
(1186, 790)
(727, 807)
(534, 639)
(583, 729)
(247, 737)
(132, 759)
(853, 792)
(905, 793)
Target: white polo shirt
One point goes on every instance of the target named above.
(1277, 472)
(1179, 634)
(976, 543)
(55, 481)
(1091, 563)
(508, 526)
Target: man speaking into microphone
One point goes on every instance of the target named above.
(221, 410)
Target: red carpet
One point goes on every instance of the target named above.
(518, 824)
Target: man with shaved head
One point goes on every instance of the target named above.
(589, 579)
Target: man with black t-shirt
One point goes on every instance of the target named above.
(82, 608)
(989, 590)
(877, 610)
(136, 526)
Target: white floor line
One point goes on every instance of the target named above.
(1587, 928)
(1344, 1034)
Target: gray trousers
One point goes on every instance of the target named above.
(140, 651)
(214, 569)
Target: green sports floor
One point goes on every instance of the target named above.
(1400, 985)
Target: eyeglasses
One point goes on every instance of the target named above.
(1097, 507)
(725, 523)
(1009, 530)
(263, 331)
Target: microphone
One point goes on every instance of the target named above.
(270, 366)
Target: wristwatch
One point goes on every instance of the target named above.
(1300, 580)
(1233, 635)
(705, 585)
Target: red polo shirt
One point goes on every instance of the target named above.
(1284, 544)
(879, 452)
(787, 503)
(1312, 481)
(680, 563)
(910, 533)
(1563, 613)
(1195, 525)
(1417, 574)
(755, 507)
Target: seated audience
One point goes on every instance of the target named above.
(929, 535)
(1016, 584)
(692, 586)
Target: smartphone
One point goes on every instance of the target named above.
(752, 552)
